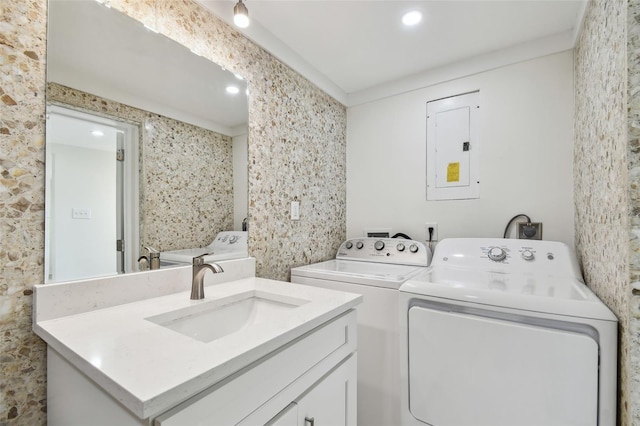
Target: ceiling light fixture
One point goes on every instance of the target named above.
(412, 18)
(233, 90)
(97, 133)
(241, 15)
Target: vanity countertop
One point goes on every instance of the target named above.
(149, 368)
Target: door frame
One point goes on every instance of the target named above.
(130, 182)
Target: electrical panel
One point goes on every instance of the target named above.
(453, 148)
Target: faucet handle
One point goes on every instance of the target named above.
(199, 260)
(153, 253)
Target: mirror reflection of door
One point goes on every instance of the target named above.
(91, 204)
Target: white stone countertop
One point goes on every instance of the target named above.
(150, 368)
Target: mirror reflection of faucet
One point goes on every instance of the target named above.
(150, 262)
(199, 269)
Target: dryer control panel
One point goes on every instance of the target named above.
(507, 255)
(385, 250)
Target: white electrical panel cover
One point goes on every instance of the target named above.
(453, 148)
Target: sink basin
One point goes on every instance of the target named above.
(211, 320)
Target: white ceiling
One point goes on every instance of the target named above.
(358, 50)
(101, 51)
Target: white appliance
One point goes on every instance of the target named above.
(505, 333)
(226, 245)
(375, 268)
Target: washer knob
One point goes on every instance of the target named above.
(378, 245)
(413, 248)
(348, 245)
(233, 239)
(359, 245)
(400, 247)
(496, 254)
(528, 255)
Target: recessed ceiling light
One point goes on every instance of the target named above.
(97, 133)
(412, 18)
(233, 90)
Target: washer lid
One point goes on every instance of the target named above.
(533, 292)
(358, 272)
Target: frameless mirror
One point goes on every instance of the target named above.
(145, 147)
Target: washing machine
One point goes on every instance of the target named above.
(375, 268)
(505, 333)
(226, 245)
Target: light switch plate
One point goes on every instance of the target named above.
(295, 210)
(80, 213)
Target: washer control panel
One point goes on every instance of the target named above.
(507, 255)
(385, 250)
(230, 240)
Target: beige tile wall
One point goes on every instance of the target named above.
(633, 126)
(607, 175)
(297, 149)
(22, 91)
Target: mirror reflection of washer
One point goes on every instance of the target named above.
(375, 268)
(538, 349)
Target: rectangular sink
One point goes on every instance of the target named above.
(207, 321)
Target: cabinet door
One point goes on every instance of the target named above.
(287, 417)
(332, 400)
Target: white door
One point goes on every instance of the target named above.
(92, 198)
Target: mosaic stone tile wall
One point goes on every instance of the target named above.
(601, 172)
(633, 65)
(186, 184)
(22, 92)
(297, 149)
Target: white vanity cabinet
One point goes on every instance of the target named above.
(329, 402)
(110, 363)
(312, 377)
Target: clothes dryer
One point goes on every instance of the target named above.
(375, 268)
(505, 333)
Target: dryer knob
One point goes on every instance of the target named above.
(400, 247)
(359, 245)
(413, 248)
(528, 255)
(348, 245)
(496, 254)
(379, 245)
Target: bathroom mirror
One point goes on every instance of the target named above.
(169, 144)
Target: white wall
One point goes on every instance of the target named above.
(526, 156)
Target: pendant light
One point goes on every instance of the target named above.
(241, 15)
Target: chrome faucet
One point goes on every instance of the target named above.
(199, 269)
